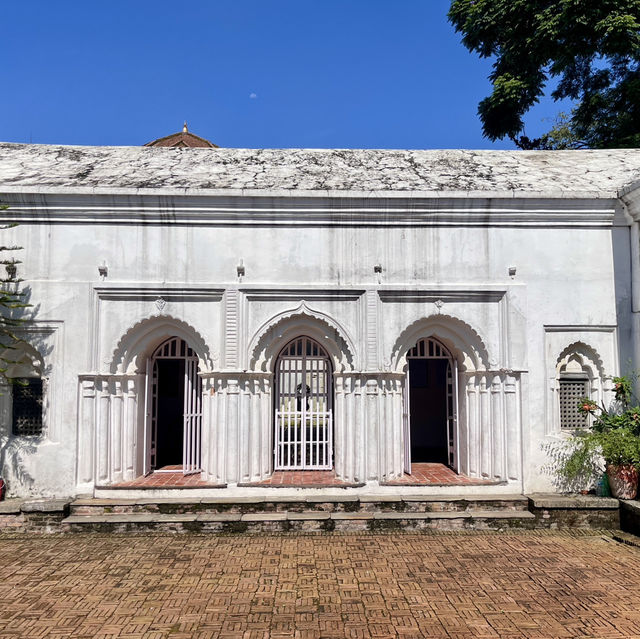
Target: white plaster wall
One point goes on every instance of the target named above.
(564, 277)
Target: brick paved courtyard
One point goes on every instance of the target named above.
(530, 584)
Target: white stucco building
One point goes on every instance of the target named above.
(237, 312)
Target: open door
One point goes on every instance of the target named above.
(430, 411)
(173, 408)
(192, 418)
(406, 424)
(452, 413)
(149, 399)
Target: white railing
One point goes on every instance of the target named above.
(304, 440)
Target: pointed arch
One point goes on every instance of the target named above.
(587, 355)
(461, 339)
(137, 344)
(274, 334)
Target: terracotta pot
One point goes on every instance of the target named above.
(623, 481)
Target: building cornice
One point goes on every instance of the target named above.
(319, 209)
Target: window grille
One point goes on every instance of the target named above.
(27, 407)
(571, 391)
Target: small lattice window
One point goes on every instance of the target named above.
(570, 392)
(27, 407)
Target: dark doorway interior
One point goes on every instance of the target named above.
(170, 416)
(428, 406)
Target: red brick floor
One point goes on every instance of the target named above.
(438, 474)
(325, 586)
(174, 479)
(304, 478)
(421, 475)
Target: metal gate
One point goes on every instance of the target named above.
(303, 411)
(176, 348)
(430, 348)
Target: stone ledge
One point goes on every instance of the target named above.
(46, 506)
(501, 514)
(219, 517)
(150, 501)
(400, 516)
(103, 501)
(458, 514)
(264, 517)
(352, 516)
(258, 499)
(321, 499)
(468, 498)
(553, 501)
(11, 507)
(134, 518)
(314, 516)
(311, 486)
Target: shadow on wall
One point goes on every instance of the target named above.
(27, 357)
(558, 454)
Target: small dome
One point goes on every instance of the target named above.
(183, 139)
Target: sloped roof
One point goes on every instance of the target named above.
(558, 173)
(183, 139)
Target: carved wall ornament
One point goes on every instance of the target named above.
(160, 303)
(439, 304)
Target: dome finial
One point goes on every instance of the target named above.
(184, 127)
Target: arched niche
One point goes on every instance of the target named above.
(140, 341)
(461, 340)
(274, 334)
(579, 373)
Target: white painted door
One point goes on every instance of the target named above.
(149, 402)
(406, 424)
(192, 418)
(303, 412)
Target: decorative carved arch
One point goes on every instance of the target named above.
(588, 355)
(142, 338)
(461, 339)
(272, 336)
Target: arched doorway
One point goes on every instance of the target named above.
(174, 409)
(303, 407)
(431, 405)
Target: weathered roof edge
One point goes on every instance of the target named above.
(334, 173)
(164, 191)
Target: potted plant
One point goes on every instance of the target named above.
(614, 437)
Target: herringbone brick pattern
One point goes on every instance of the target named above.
(426, 474)
(533, 585)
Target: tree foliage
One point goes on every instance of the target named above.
(12, 302)
(591, 46)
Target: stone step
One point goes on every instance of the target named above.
(296, 521)
(322, 503)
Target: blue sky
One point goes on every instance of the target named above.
(243, 73)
